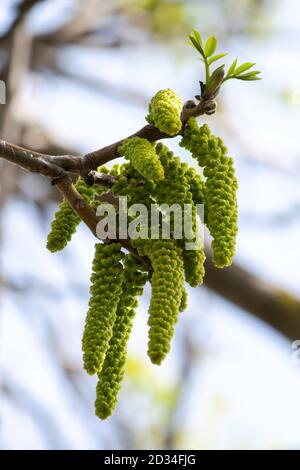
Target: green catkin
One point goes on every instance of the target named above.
(194, 266)
(113, 369)
(115, 171)
(196, 185)
(220, 189)
(176, 188)
(184, 301)
(103, 169)
(66, 220)
(194, 259)
(105, 290)
(197, 188)
(164, 112)
(137, 190)
(142, 155)
(167, 291)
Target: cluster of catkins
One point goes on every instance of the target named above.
(152, 175)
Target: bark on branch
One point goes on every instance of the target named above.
(22, 10)
(270, 304)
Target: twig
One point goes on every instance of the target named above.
(85, 164)
(22, 10)
(78, 204)
(89, 217)
(92, 160)
(276, 307)
(103, 179)
(31, 161)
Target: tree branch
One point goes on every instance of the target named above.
(89, 217)
(103, 179)
(22, 10)
(78, 204)
(272, 305)
(92, 160)
(47, 165)
(31, 161)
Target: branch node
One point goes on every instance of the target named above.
(103, 179)
(57, 179)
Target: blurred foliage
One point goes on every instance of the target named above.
(163, 17)
(172, 18)
(213, 81)
(142, 377)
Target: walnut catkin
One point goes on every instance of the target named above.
(164, 112)
(113, 369)
(220, 189)
(66, 220)
(105, 290)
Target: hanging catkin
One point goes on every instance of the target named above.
(220, 189)
(167, 293)
(113, 369)
(176, 189)
(66, 220)
(105, 290)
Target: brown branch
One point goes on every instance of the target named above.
(93, 160)
(43, 164)
(89, 217)
(21, 12)
(83, 165)
(28, 160)
(103, 179)
(109, 198)
(78, 204)
(274, 306)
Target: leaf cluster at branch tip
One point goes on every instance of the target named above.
(207, 50)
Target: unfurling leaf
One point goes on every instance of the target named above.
(231, 68)
(210, 46)
(242, 68)
(197, 36)
(216, 57)
(248, 76)
(196, 41)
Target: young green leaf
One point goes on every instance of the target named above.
(196, 41)
(216, 57)
(248, 76)
(242, 68)
(231, 69)
(210, 46)
(197, 36)
(249, 79)
(194, 44)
